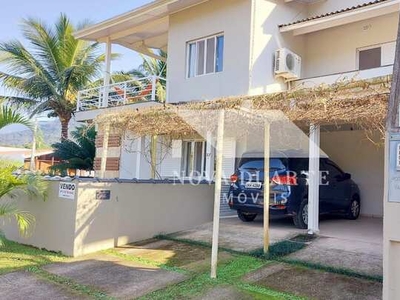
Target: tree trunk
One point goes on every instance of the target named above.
(64, 128)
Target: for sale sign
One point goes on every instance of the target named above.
(67, 190)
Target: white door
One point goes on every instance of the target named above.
(193, 159)
(229, 157)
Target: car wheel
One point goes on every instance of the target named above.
(353, 212)
(300, 220)
(246, 217)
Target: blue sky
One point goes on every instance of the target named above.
(12, 11)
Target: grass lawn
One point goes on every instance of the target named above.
(192, 260)
(14, 256)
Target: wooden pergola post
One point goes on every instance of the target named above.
(314, 180)
(153, 153)
(217, 193)
(266, 185)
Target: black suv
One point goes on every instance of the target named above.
(288, 178)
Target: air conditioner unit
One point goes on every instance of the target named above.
(287, 64)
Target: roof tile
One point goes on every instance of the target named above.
(334, 13)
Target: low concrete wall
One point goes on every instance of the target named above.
(134, 212)
(55, 222)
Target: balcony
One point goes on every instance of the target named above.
(136, 93)
(345, 76)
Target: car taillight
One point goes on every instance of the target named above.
(234, 178)
(284, 180)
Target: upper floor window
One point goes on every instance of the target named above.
(205, 56)
(370, 58)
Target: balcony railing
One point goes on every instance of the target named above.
(345, 76)
(123, 93)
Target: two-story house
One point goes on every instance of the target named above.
(230, 48)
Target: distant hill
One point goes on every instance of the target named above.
(19, 137)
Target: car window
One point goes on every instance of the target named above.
(275, 164)
(333, 170)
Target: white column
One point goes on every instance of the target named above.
(217, 194)
(104, 154)
(107, 71)
(153, 87)
(209, 157)
(314, 180)
(266, 185)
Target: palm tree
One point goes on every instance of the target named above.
(153, 67)
(12, 186)
(49, 74)
(78, 153)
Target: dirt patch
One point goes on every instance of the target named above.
(314, 284)
(174, 254)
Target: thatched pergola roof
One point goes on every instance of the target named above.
(362, 103)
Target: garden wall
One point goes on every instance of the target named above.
(102, 215)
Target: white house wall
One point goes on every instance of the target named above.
(231, 17)
(323, 7)
(363, 160)
(229, 157)
(129, 157)
(334, 50)
(266, 39)
(170, 152)
(135, 158)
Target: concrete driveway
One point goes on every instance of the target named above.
(237, 235)
(355, 245)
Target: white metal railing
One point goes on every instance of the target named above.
(122, 93)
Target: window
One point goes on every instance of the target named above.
(206, 56)
(193, 159)
(370, 58)
(334, 171)
(275, 164)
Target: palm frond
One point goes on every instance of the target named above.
(51, 69)
(8, 116)
(78, 153)
(24, 220)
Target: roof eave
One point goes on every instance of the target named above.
(85, 34)
(342, 18)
